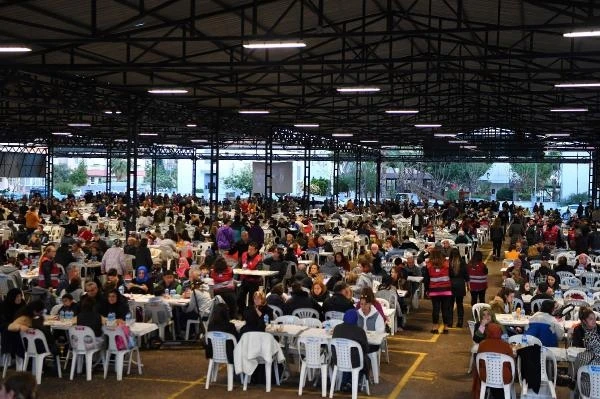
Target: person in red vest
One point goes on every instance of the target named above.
(251, 259)
(436, 277)
(49, 273)
(478, 279)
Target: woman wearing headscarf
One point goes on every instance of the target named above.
(492, 343)
(142, 283)
(9, 308)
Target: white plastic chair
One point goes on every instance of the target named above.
(518, 303)
(570, 281)
(310, 322)
(546, 356)
(276, 311)
(83, 344)
(580, 294)
(384, 303)
(6, 358)
(474, 347)
(218, 342)
(593, 373)
(331, 323)
(564, 275)
(29, 338)
(311, 358)
(263, 338)
(494, 367)
(334, 315)
(112, 333)
(160, 317)
(343, 350)
(304, 313)
(537, 305)
(524, 340)
(477, 308)
(288, 320)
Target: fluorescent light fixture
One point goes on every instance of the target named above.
(121, 140)
(148, 134)
(167, 91)
(108, 112)
(253, 111)
(369, 141)
(14, 49)
(61, 134)
(591, 33)
(402, 111)
(442, 135)
(191, 125)
(570, 85)
(268, 45)
(568, 110)
(558, 134)
(458, 142)
(80, 124)
(342, 135)
(468, 147)
(358, 89)
(199, 141)
(306, 125)
(118, 112)
(426, 125)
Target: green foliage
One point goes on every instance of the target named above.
(368, 178)
(79, 175)
(504, 194)
(64, 187)
(576, 198)
(118, 169)
(524, 178)
(61, 173)
(165, 179)
(319, 186)
(240, 180)
(452, 195)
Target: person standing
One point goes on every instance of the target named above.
(497, 236)
(459, 278)
(225, 237)
(438, 288)
(478, 272)
(250, 261)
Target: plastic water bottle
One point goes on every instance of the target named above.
(128, 319)
(524, 340)
(62, 315)
(173, 292)
(26, 268)
(266, 319)
(166, 292)
(45, 313)
(121, 290)
(68, 315)
(111, 319)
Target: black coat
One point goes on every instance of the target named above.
(458, 281)
(337, 303)
(143, 257)
(300, 300)
(356, 334)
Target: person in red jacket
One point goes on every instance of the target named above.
(438, 287)
(478, 272)
(251, 259)
(49, 273)
(222, 276)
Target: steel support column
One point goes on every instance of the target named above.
(213, 185)
(194, 162)
(594, 179)
(268, 194)
(108, 181)
(132, 158)
(49, 172)
(358, 180)
(306, 185)
(153, 168)
(378, 183)
(336, 176)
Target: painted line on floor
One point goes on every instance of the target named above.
(402, 383)
(199, 381)
(160, 380)
(433, 338)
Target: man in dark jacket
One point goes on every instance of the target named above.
(341, 300)
(349, 329)
(300, 299)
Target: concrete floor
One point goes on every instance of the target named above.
(422, 365)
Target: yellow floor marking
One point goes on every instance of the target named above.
(424, 375)
(434, 338)
(402, 383)
(160, 380)
(199, 381)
